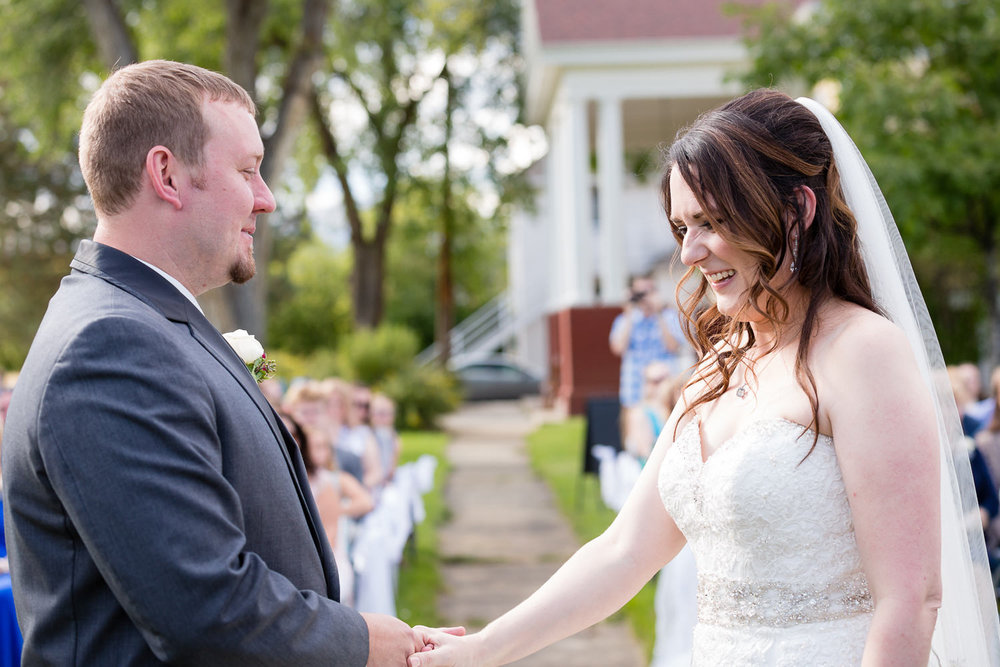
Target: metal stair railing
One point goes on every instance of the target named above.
(479, 333)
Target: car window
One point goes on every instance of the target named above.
(492, 373)
(479, 373)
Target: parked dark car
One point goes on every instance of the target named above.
(496, 379)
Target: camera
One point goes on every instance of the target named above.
(637, 297)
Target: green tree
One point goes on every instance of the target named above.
(493, 29)
(379, 118)
(56, 51)
(314, 310)
(919, 91)
(478, 259)
(40, 218)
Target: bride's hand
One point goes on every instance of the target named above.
(443, 647)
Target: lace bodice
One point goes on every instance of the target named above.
(779, 574)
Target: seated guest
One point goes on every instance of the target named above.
(988, 445)
(357, 451)
(361, 395)
(339, 497)
(978, 410)
(383, 422)
(305, 402)
(986, 490)
(962, 387)
(644, 420)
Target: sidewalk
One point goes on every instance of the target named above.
(506, 536)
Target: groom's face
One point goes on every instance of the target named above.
(228, 195)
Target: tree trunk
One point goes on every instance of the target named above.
(297, 88)
(107, 26)
(244, 18)
(245, 306)
(367, 277)
(445, 317)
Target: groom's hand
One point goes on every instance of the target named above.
(390, 641)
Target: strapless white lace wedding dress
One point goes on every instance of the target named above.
(779, 574)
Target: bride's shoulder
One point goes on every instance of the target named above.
(853, 337)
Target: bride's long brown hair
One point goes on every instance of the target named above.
(745, 163)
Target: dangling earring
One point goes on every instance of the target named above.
(795, 252)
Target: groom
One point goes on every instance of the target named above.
(156, 509)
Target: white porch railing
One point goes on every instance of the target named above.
(479, 334)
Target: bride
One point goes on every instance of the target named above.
(809, 463)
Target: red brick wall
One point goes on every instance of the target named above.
(581, 364)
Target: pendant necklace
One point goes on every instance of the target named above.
(744, 389)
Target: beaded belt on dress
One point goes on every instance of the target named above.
(728, 603)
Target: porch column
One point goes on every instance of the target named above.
(569, 178)
(610, 173)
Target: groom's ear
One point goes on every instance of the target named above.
(162, 170)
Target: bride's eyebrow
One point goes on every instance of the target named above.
(696, 217)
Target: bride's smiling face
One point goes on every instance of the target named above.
(729, 271)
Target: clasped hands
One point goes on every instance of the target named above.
(393, 642)
(442, 647)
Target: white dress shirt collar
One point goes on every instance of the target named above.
(176, 283)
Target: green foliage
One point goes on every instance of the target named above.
(919, 91)
(41, 216)
(310, 302)
(390, 60)
(422, 394)
(47, 57)
(555, 452)
(375, 355)
(383, 358)
(478, 260)
(951, 269)
(317, 364)
(51, 66)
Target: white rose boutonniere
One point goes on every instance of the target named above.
(252, 354)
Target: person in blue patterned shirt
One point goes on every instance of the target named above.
(644, 332)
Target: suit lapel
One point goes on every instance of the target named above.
(213, 341)
(134, 277)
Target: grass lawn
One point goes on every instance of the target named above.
(556, 452)
(419, 578)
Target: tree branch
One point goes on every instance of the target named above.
(332, 151)
(245, 18)
(108, 29)
(297, 88)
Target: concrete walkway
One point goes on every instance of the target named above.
(506, 535)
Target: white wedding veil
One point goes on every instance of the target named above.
(967, 631)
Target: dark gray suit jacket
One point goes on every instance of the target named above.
(156, 510)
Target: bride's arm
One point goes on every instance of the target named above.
(594, 583)
(885, 435)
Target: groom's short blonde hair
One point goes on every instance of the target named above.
(153, 103)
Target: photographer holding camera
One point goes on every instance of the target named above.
(644, 332)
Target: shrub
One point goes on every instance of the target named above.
(382, 359)
(318, 364)
(372, 356)
(422, 394)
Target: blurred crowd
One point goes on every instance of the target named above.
(977, 407)
(368, 503)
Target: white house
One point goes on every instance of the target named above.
(611, 81)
